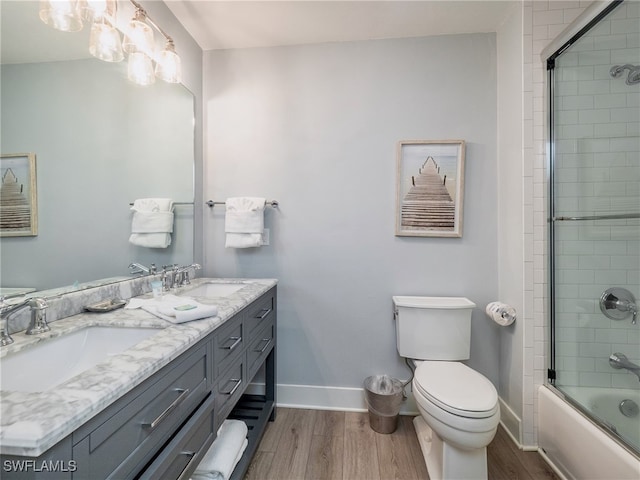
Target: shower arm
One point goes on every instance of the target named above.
(634, 73)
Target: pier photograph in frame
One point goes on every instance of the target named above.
(18, 196)
(429, 188)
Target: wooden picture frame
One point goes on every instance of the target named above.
(18, 195)
(429, 188)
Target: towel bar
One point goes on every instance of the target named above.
(211, 203)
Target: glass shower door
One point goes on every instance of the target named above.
(595, 220)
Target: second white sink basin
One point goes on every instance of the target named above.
(54, 361)
(212, 289)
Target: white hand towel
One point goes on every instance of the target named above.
(244, 222)
(152, 222)
(225, 453)
(165, 308)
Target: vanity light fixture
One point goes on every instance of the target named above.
(62, 15)
(139, 37)
(104, 40)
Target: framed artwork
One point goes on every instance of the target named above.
(429, 188)
(18, 196)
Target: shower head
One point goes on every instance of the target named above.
(634, 73)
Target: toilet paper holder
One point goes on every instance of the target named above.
(501, 313)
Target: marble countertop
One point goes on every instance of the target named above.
(31, 423)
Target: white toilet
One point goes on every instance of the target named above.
(459, 410)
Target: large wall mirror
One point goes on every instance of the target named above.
(100, 142)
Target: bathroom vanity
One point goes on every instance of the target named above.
(153, 410)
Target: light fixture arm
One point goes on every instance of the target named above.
(150, 20)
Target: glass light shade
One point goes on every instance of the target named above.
(140, 69)
(168, 65)
(97, 9)
(139, 36)
(104, 42)
(61, 14)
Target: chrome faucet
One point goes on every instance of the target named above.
(38, 322)
(620, 360)
(135, 268)
(174, 276)
(184, 272)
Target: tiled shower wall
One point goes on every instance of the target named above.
(543, 21)
(597, 172)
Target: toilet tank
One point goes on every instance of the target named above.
(433, 328)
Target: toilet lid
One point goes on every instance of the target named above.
(456, 388)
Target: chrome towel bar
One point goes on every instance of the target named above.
(211, 203)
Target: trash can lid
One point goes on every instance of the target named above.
(383, 384)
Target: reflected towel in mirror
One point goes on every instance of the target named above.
(152, 222)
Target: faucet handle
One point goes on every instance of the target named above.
(38, 322)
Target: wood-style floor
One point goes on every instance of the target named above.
(327, 445)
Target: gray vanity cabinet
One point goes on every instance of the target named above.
(163, 427)
(121, 440)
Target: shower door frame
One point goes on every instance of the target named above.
(550, 65)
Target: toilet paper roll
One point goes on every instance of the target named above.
(501, 313)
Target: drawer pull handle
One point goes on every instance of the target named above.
(237, 341)
(194, 456)
(235, 387)
(184, 393)
(263, 313)
(261, 350)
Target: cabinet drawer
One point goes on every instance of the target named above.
(229, 388)
(259, 314)
(259, 348)
(181, 456)
(129, 433)
(229, 342)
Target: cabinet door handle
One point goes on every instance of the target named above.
(236, 342)
(235, 387)
(194, 456)
(261, 350)
(184, 393)
(263, 313)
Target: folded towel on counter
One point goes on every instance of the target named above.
(152, 222)
(244, 222)
(174, 309)
(225, 452)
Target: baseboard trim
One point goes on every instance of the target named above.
(312, 397)
(510, 422)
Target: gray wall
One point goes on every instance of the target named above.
(316, 127)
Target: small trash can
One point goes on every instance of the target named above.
(384, 396)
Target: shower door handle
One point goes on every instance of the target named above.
(617, 303)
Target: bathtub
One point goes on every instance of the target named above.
(576, 446)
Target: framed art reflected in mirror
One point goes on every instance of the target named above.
(18, 195)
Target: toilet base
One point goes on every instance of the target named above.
(446, 462)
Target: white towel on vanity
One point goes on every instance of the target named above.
(152, 222)
(225, 452)
(165, 308)
(244, 222)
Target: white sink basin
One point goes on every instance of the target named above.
(56, 360)
(214, 289)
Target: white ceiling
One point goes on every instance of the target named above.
(244, 24)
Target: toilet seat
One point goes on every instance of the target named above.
(456, 389)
